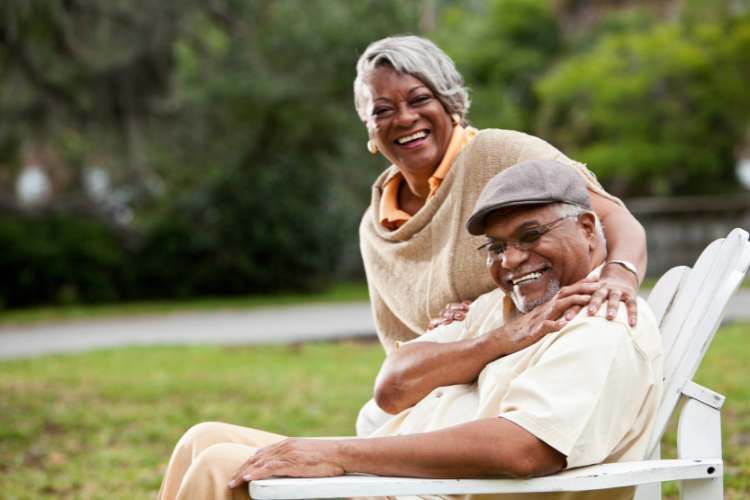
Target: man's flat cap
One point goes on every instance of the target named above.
(535, 182)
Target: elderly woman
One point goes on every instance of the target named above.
(417, 255)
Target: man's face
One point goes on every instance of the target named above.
(561, 257)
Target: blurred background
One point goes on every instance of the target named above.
(203, 157)
(193, 148)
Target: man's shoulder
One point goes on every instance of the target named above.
(644, 336)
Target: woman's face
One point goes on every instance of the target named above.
(409, 123)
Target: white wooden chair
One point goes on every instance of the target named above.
(689, 305)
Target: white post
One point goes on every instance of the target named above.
(699, 436)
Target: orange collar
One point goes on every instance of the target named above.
(391, 215)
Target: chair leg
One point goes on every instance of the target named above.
(702, 489)
(699, 436)
(651, 491)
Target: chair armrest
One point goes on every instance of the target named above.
(594, 477)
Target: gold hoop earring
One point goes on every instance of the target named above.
(456, 119)
(372, 147)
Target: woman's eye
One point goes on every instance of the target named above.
(380, 111)
(421, 99)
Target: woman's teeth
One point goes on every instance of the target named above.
(412, 137)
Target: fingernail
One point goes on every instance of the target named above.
(246, 478)
(460, 316)
(232, 483)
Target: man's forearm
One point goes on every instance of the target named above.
(484, 448)
(412, 372)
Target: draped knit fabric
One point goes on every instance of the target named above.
(431, 260)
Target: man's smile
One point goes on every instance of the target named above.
(527, 276)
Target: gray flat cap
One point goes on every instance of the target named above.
(533, 182)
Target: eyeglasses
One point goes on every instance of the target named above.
(524, 240)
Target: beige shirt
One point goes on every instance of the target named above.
(590, 390)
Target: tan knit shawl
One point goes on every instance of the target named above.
(431, 260)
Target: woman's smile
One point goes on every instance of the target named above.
(408, 123)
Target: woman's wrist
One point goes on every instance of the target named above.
(624, 264)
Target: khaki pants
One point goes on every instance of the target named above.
(207, 456)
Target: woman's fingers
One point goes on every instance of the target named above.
(572, 312)
(597, 299)
(632, 306)
(613, 303)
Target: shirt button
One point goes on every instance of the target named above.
(438, 394)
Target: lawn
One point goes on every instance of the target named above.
(102, 424)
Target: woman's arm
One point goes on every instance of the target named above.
(626, 240)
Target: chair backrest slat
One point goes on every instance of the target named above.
(692, 316)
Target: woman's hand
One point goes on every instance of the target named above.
(292, 458)
(549, 317)
(455, 311)
(616, 284)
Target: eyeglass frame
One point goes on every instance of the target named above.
(543, 229)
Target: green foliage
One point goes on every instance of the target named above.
(501, 47)
(657, 111)
(60, 259)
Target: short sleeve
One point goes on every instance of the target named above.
(584, 392)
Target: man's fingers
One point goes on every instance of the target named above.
(588, 287)
(561, 305)
(237, 479)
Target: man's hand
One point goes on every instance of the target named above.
(293, 458)
(455, 311)
(543, 319)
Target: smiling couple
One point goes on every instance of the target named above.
(512, 390)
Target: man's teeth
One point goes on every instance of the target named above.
(412, 137)
(527, 277)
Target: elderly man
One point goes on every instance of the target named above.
(577, 392)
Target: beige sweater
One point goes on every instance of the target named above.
(431, 260)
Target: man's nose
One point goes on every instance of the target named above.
(513, 257)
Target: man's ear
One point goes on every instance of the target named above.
(588, 223)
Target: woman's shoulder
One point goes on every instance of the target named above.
(490, 136)
(495, 142)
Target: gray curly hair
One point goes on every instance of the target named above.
(415, 56)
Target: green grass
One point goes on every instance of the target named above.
(346, 292)
(102, 424)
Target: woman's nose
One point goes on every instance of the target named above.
(405, 115)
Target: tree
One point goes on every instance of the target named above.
(659, 111)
